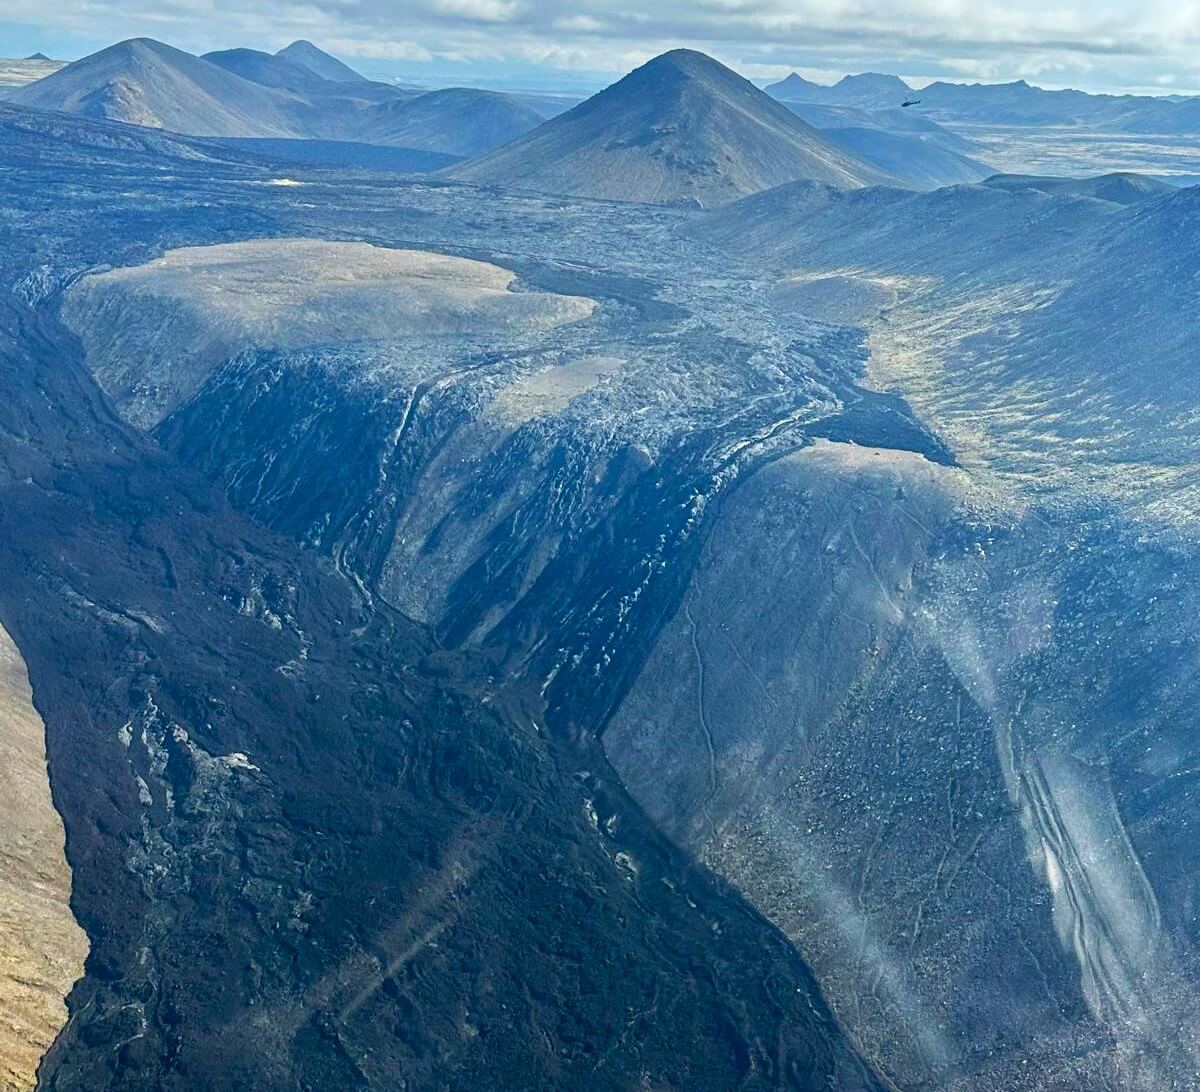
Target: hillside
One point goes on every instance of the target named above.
(912, 159)
(458, 121)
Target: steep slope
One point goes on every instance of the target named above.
(427, 295)
(307, 55)
(681, 127)
(42, 948)
(458, 121)
(144, 82)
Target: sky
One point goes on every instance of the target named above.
(1148, 46)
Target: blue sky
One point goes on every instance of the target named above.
(1098, 45)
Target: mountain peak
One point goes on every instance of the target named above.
(686, 64)
(795, 86)
(317, 61)
(688, 59)
(873, 83)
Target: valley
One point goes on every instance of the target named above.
(662, 603)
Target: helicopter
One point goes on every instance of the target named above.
(911, 102)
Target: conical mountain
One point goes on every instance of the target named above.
(682, 127)
(317, 61)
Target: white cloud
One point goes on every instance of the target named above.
(480, 11)
(1099, 43)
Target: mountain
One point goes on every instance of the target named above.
(268, 69)
(1014, 103)
(795, 86)
(307, 55)
(322, 107)
(246, 93)
(871, 90)
(144, 82)
(1175, 118)
(682, 127)
(868, 90)
(912, 149)
(1092, 276)
(971, 231)
(458, 121)
(1020, 103)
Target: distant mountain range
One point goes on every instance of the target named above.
(1017, 103)
(681, 129)
(298, 93)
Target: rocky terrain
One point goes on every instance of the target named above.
(532, 640)
(311, 845)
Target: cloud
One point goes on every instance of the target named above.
(478, 11)
(1107, 42)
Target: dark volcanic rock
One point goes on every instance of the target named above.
(310, 850)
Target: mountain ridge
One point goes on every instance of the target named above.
(1016, 102)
